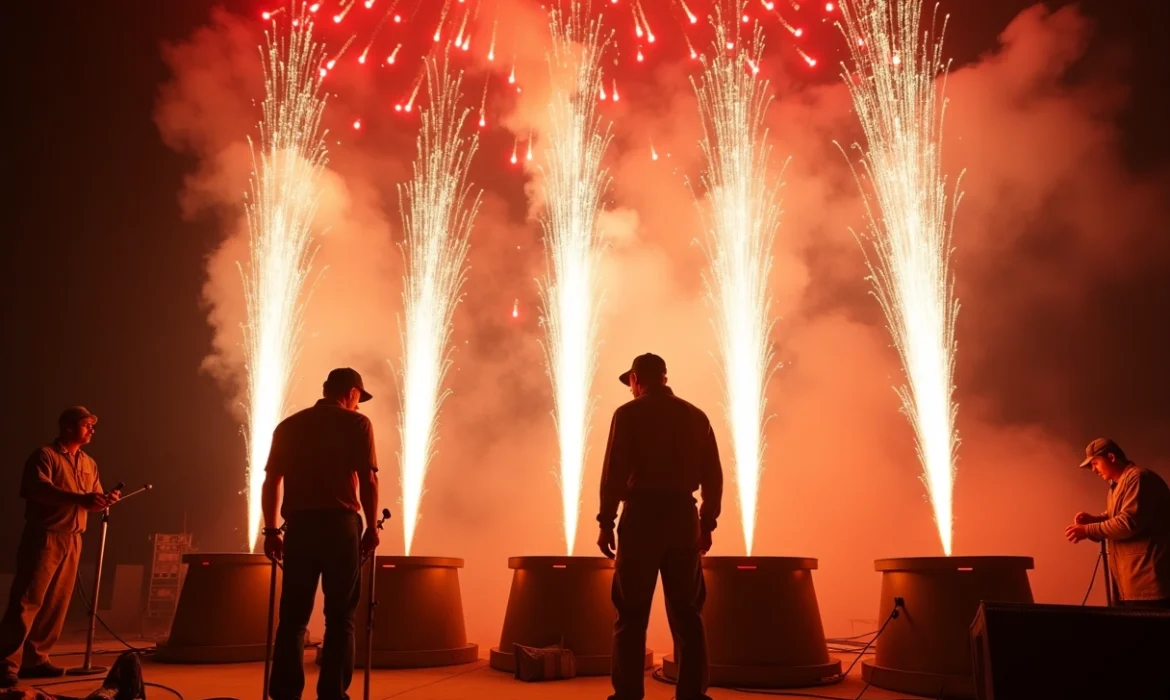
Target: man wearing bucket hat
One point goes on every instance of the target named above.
(325, 457)
(60, 486)
(1136, 523)
(661, 450)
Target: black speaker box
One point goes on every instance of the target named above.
(1066, 652)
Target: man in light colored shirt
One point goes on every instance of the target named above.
(60, 485)
(1136, 524)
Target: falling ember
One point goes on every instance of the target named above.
(529, 154)
(438, 209)
(286, 168)
(901, 112)
(512, 76)
(742, 215)
(574, 182)
(616, 96)
(357, 123)
(515, 149)
(653, 153)
(492, 47)
(690, 15)
(516, 309)
(394, 54)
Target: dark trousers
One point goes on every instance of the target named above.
(659, 535)
(326, 545)
(46, 568)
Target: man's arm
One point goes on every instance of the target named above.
(366, 467)
(1128, 521)
(274, 472)
(710, 481)
(36, 483)
(615, 475)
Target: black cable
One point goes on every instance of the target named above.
(1092, 580)
(93, 611)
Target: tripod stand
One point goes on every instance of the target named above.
(87, 668)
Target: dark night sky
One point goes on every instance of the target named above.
(102, 276)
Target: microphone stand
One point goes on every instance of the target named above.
(271, 625)
(372, 603)
(87, 668)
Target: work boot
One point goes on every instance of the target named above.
(45, 670)
(8, 679)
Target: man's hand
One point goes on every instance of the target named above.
(274, 547)
(1076, 533)
(370, 541)
(94, 502)
(606, 542)
(1086, 518)
(704, 541)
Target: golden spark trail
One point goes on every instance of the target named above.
(438, 209)
(285, 185)
(742, 215)
(894, 84)
(573, 181)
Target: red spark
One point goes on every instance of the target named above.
(314, 7)
(267, 15)
(828, 7)
(357, 123)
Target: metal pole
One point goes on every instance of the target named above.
(86, 669)
(1108, 578)
(271, 630)
(372, 603)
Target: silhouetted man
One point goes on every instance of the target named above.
(325, 457)
(1136, 522)
(661, 450)
(60, 485)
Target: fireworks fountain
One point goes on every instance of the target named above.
(573, 184)
(761, 615)
(743, 214)
(565, 600)
(898, 84)
(219, 617)
(287, 164)
(437, 214)
(895, 84)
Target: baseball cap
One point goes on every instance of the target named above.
(1099, 447)
(346, 378)
(74, 415)
(647, 365)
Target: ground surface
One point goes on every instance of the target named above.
(470, 682)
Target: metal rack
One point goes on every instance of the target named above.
(166, 577)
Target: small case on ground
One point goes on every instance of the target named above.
(553, 663)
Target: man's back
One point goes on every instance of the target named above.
(320, 451)
(660, 443)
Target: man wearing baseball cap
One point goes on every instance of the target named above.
(60, 485)
(661, 450)
(1136, 523)
(325, 457)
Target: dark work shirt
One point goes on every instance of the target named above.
(320, 452)
(52, 466)
(660, 445)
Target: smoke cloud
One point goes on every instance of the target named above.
(1051, 216)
